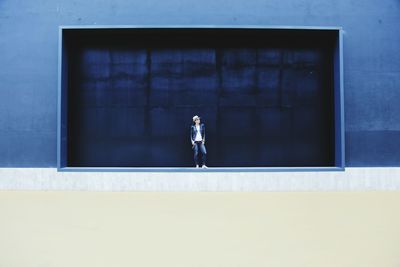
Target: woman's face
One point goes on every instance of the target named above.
(197, 121)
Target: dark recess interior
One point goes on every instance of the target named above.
(265, 96)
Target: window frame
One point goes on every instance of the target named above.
(338, 89)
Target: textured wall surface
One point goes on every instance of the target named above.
(353, 179)
(28, 63)
(266, 97)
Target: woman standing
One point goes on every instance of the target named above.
(198, 139)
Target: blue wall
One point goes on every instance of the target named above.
(28, 64)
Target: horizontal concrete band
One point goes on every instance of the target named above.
(352, 179)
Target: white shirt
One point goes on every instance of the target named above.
(198, 134)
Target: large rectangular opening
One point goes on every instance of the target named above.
(269, 97)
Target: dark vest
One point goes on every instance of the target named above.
(193, 132)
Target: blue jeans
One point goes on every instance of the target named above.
(196, 147)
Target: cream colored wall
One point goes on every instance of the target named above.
(49, 229)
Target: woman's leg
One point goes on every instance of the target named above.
(195, 152)
(203, 152)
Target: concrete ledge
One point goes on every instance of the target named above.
(353, 179)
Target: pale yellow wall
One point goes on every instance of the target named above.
(72, 229)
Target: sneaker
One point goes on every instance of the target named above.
(204, 167)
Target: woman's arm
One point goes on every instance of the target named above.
(204, 137)
(191, 135)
